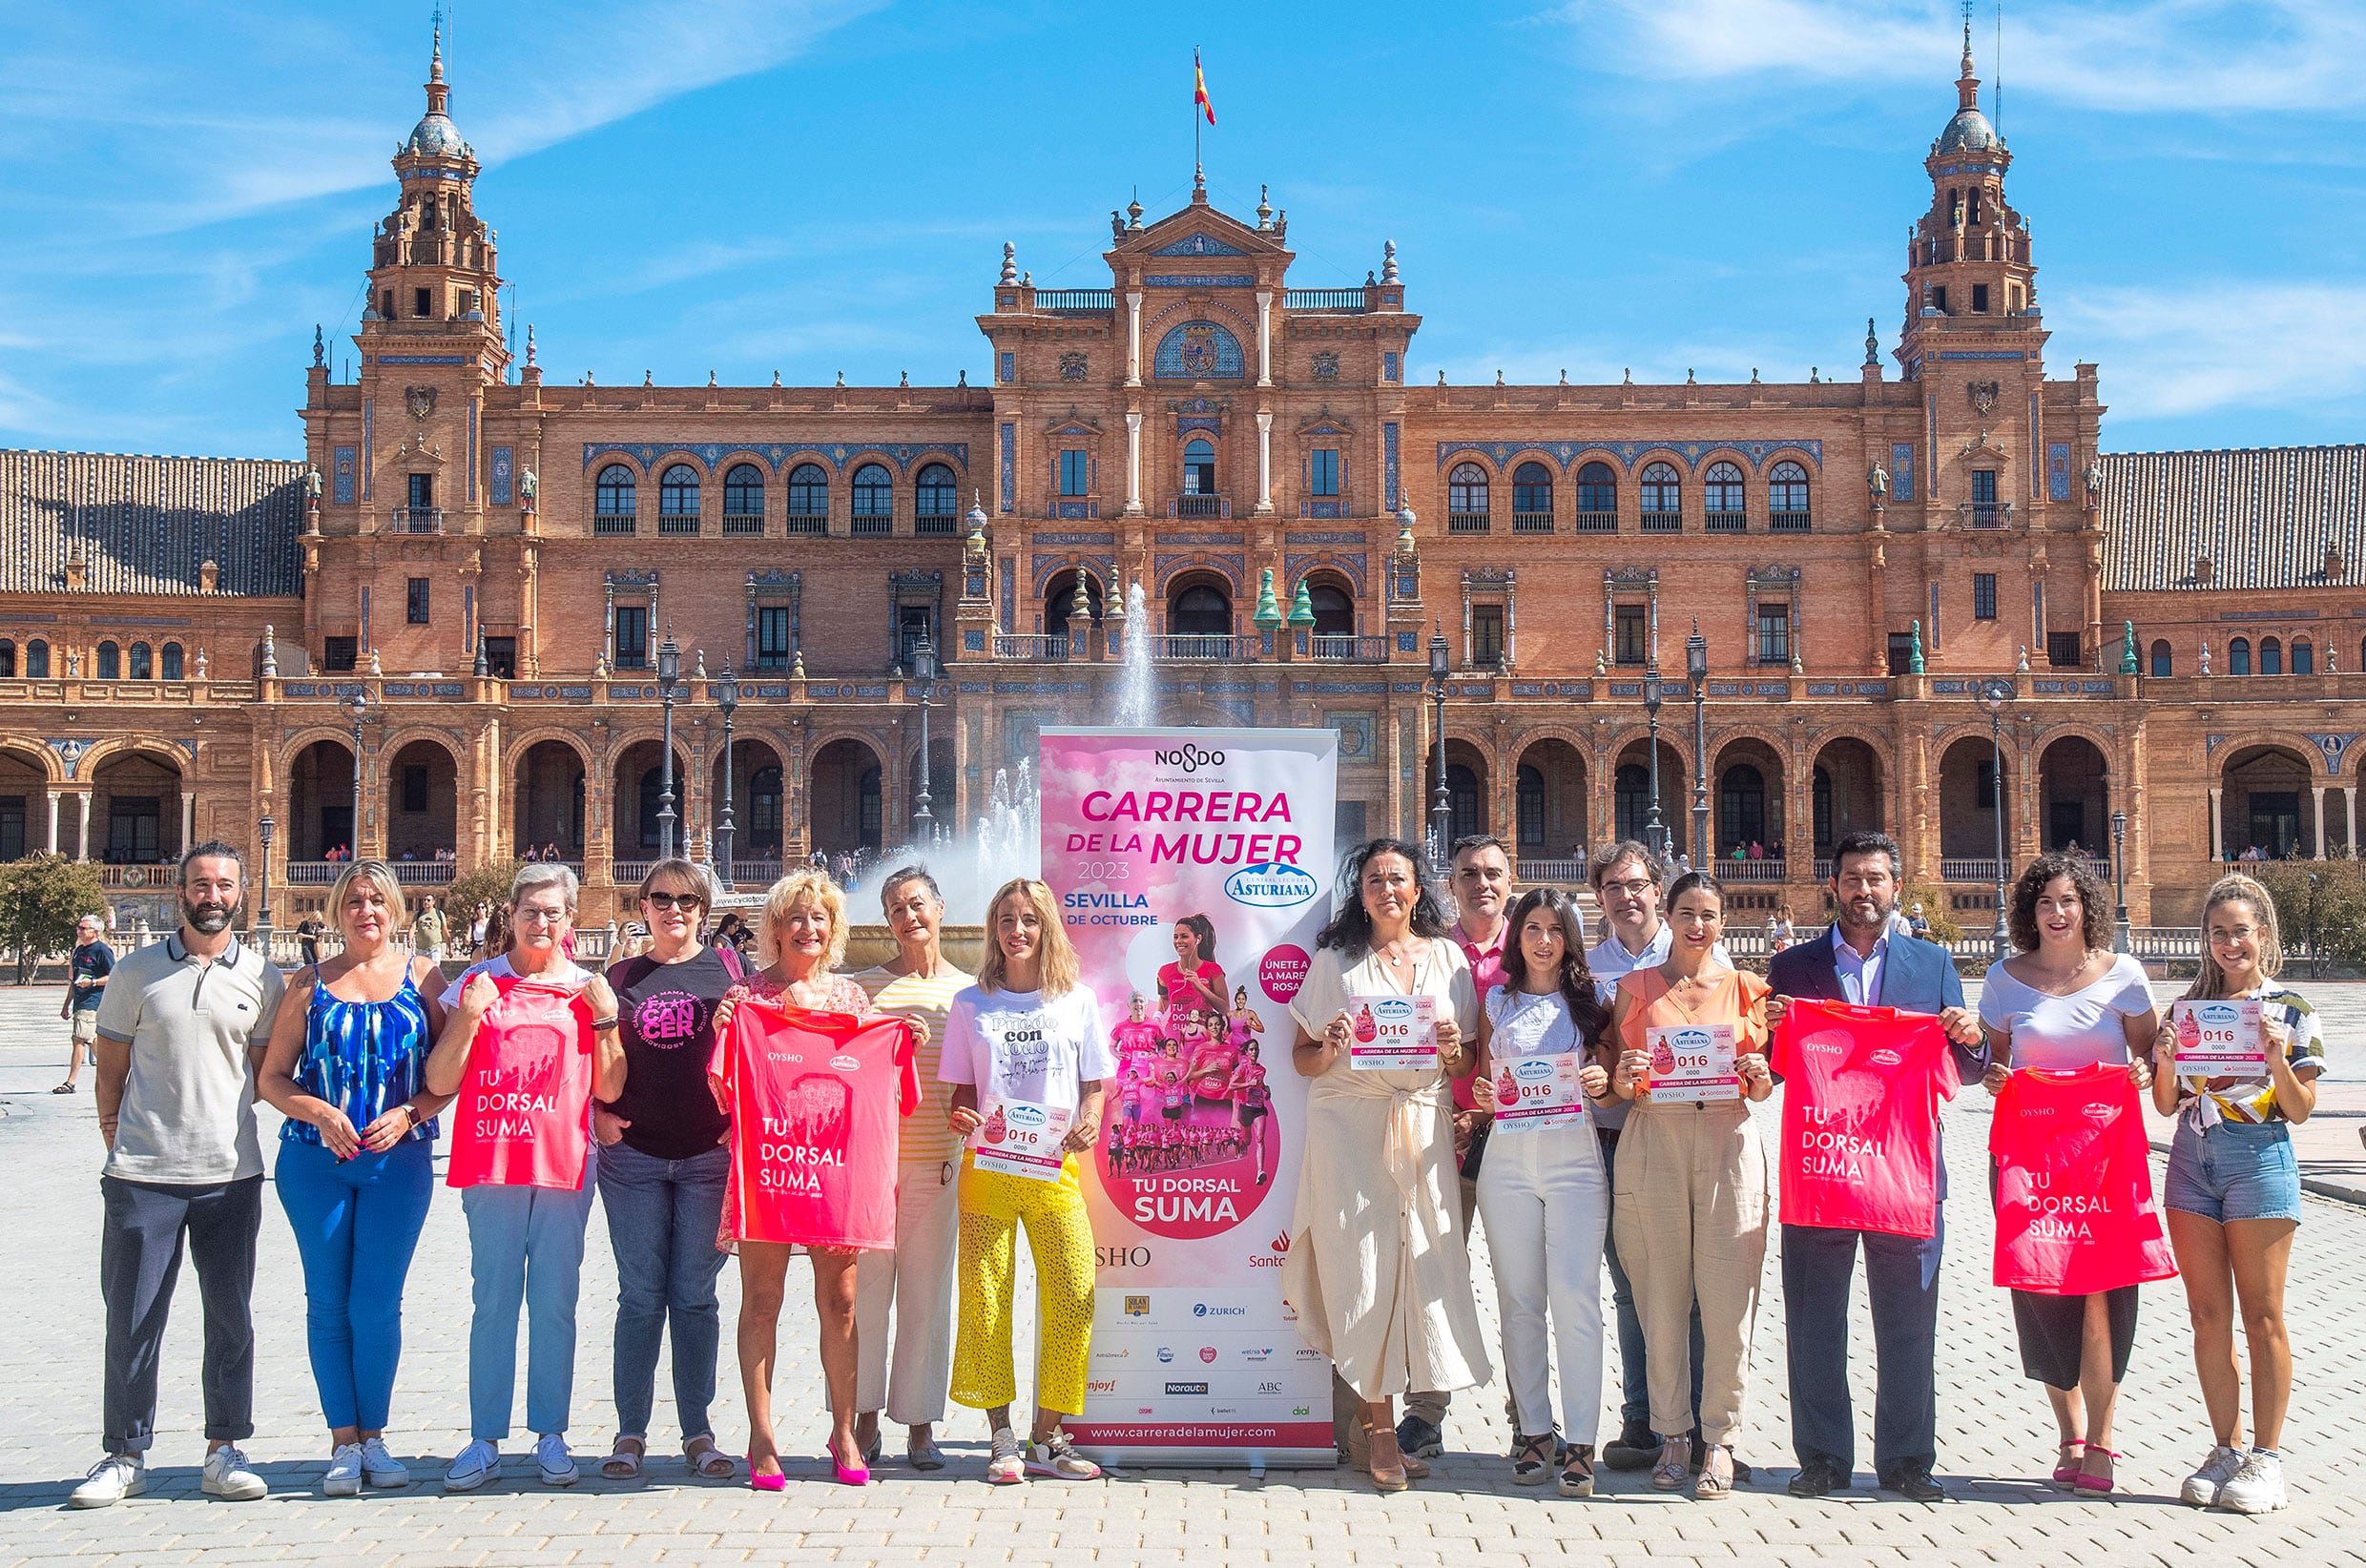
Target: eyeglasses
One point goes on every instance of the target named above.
(689, 902)
(538, 916)
(1633, 890)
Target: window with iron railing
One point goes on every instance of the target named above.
(1773, 635)
(614, 500)
(1531, 499)
(935, 503)
(1721, 493)
(1663, 500)
(1632, 634)
(1466, 499)
(1786, 499)
(874, 501)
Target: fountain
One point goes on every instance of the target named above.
(1137, 684)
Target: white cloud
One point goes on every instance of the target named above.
(2203, 57)
(2202, 348)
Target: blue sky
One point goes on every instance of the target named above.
(816, 186)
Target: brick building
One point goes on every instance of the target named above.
(493, 564)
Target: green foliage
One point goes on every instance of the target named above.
(2338, 922)
(41, 897)
(1935, 909)
(486, 884)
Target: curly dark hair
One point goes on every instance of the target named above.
(2021, 916)
(1349, 930)
(1576, 981)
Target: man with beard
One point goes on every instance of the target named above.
(1868, 962)
(181, 1032)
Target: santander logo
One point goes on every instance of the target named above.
(1280, 1243)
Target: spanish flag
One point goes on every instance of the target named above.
(1199, 89)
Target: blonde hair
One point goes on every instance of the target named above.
(2210, 979)
(1058, 970)
(785, 895)
(378, 874)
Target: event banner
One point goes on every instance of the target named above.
(1193, 868)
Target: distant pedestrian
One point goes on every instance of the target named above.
(87, 973)
(182, 1030)
(429, 929)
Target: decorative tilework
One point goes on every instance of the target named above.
(1983, 353)
(1198, 351)
(1076, 540)
(1294, 567)
(1388, 465)
(2058, 471)
(1010, 467)
(343, 462)
(1199, 281)
(473, 462)
(1388, 366)
(424, 358)
(973, 642)
(1902, 471)
(1630, 452)
(1011, 589)
(504, 461)
(1408, 641)
(1333, 537)
(1198, 244)
(2334, 747)
(839, 453)
(368, 446)
(1009, 364)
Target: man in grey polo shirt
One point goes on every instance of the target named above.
(180, 1033)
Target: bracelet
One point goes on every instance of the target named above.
(412, 1111)
(608, 1022)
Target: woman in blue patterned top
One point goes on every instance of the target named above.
(347, 1066)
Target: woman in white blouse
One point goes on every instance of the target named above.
(2064, 1000)
(1376, 1268)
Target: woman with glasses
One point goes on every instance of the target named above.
(662, 1167)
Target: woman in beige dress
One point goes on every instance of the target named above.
(1376, 1268)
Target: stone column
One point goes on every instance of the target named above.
(1134, 458)
(2217, 846)
(2349, 809)
(2318, 790)
(1265, 465)
(51, 796)
(1265, 336)
(1133, 337)
(82, 841)
(189, 818)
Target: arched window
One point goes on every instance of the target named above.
(38, 660)
(651, 801)
(1201, 611)
(1721, 496)
(1531, 496)
(1466, 488)
(172, 662)
(1634, 800)
(143, 662)
(1741, 807)
(874, 491)
(1198, 469)
(1529, 790)
(1334, 612)
(7, 658)
(2270, 657)
(935, 501)
(1663, 498)
(2163, 664)
(1597, 499)
(744, 492)
(615, 498)
(809, 499)
(1786, 499)
(110, 662)
(1463, 800)
(764, 810)
(2304, 656)
(678, 491)
(2238, 656)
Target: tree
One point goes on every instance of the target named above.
(41, 898)
(488, 884)
(1936, 909)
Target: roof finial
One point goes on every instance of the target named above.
(1967, 85)
(1011, 263)
(1388, 262)
(529, 342)
(435, 63)
(319, 349)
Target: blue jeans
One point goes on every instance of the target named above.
(2234, 1170)
(662, 1217)
(357, 1222)
(1634, 1384)
(525, 1250)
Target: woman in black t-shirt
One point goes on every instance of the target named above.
(662, 1170)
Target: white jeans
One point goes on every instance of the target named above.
(1546, 1201)
(917, 1280)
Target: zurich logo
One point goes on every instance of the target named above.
(1272, 885)
(1199, 1309)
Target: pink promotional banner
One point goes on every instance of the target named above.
(1193, 868)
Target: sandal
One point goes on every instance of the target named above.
(1533, 1460)
(2094, 1485)
(624, 1464)
(67, 1088)
(2067, 1467)
(1577, 1472)
(1717, 1476)
(707, 1460)
(1675, 1463)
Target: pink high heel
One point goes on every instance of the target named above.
(2095, 1485)
(849, 1474)
(2066, 1468)
(765, 1483)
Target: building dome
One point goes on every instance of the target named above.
(436, 136)
(1969, 132)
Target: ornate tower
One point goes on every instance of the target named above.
(1967, 257)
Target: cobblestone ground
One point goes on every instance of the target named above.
(1995, 1436)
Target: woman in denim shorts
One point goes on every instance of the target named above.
(2233, 1194)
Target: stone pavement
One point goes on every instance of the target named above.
(1994, 1440)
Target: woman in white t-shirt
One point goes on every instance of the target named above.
(2065, 1002)
(1025, 1044)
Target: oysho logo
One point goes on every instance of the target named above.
(1190, 758)
(1271, 884)
(1121, 1257)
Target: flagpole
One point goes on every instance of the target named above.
(1200, 170)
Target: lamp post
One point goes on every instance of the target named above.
(727, 698)
(1654, 832)
(1995, 697)
(264, 829)
(2119, 881)
(357, 708)
(1442, 811)
(1696, 671)
(924, 671)
(669, 674)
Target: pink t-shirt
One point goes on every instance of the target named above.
(524, 1114)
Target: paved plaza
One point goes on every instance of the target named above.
(1995, 1436)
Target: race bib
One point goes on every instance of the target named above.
(1693, 1064)
(1393, 1033)
(2220, 1039)
(1532, 1092)
(1021, 1138)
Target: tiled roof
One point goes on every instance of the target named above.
(2263, 516)
(146, 525)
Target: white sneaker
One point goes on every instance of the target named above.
(344, 1471)
(2257, 1488)
(1009, 1465)
(1055, 1456)
(227, 1476)
(556, 1464)
(110, 1480)
(2202, 1487)
(473, 1467)
(380, 1468)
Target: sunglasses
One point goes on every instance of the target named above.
(671, 900)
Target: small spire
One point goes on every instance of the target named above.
(435, 62)
(1011, 263)
(1388, 262)
(649, 377)
(1133, 210)
(1873, 344)
(320, 348)
(1967, 85)
(711, 377)
(529, 342)
(1264, 208)
(904, 378)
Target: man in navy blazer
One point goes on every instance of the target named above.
(1866, 960)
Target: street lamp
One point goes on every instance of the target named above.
(356, 707)
(1995, 697)
(727, 698)
(924, 671)
(669, 675)
(1654, 832)
(2119, 878)
(1696, 671)
(264, 829)
(1442, 811)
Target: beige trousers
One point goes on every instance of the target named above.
(1691, 1210)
